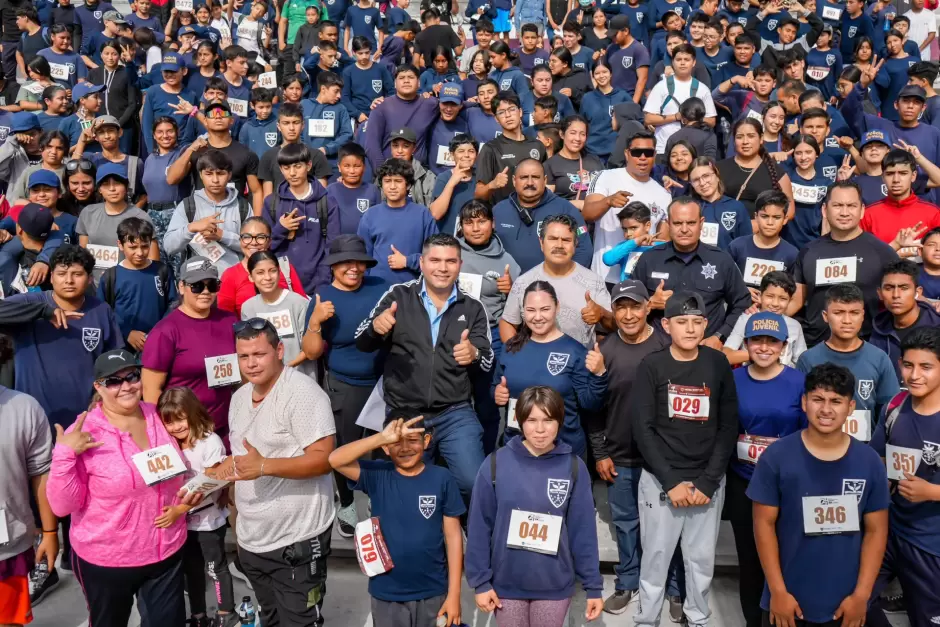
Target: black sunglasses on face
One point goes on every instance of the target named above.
(256, 324)
(210, 284)
(649, 153)
(115, 381)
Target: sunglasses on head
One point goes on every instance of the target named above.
(209, 284)
(115, 381)
(72, 165)
(649, 153)
(255, 324)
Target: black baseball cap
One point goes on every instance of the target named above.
(632, 289)
(114, 361)
(684, 304)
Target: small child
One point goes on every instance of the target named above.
(930, 271)
(776, 292)
(636, 221)
(138, 289)
(186, 420)
(550, 136)
(418, 507)
(259, 133)
(308, 35)
(352, 193)
(764, 251)
(396, 16)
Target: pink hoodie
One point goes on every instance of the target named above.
(112, 508)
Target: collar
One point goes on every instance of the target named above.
(423, 292)
(907, 202)
(672, 252)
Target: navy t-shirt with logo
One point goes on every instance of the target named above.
(743, 248)
(411, 514)
(624, 62)
(818, 570)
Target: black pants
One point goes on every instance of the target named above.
(803, 623)
(751, 581)
(204, 552)
(347, 402)
(286, 62)
(8, 59)
(290, 583)
(109, 592)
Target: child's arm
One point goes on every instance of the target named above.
(345, 459)
(453, 540)
(170, 514)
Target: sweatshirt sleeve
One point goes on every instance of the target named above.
(343, 133)
(588, 387)
(480, 337)
(21, 310)
(619, 253)
(375, 137)
(582, 534)
(643, 408)
(177, 236)
(67, 487)
(480, 523)
(367, 340)
(726, 435)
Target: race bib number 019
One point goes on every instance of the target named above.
(755, 269)
(901, 460)
(223, 370)
(836, 270)
(371, 550)
(751, 447)
(830, 514)
(709, 234)
(858, 425)
(533, 531)
(159, 464)
(105, 256)
(688, 402)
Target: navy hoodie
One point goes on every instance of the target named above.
(361, 87)
(259, 135)
(308, 249)
(548, 488)
(885, 337)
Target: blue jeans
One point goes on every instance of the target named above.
(483, 400)
(625, 514)
(457, 434)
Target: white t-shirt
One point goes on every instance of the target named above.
(607, 230)
(246, 34)
(682, 92)
(275, 512)
(204, 454)
(923, 23)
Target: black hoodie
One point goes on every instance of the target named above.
(578, 81)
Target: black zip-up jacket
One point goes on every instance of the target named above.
(122, 98)
(8, 9)
(419, 376)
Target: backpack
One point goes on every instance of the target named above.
(574, 475)
(189, 205)
(322, 214)
(671, 91)
(109, 282)
(893, 411)
(46, 37)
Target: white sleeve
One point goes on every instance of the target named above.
(655, 101)
(736, 339)
(213, 451)
(706, 97)
(931, 23)
(154, 56)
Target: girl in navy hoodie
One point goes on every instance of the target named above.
(531, 527)
(443, 70)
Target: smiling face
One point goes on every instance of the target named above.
(920, 371)
(538, 312)
(575, 136)
(265, 276)
(408, 452)
(440, 266)
(254, 238)
(44, 195)
(764, 351)
(349, 273)
(804, 156)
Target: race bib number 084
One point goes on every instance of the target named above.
(836, 270)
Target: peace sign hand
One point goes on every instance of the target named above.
(846, 170)
(914, 150)
(77, 440)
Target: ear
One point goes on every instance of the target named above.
(427, 441)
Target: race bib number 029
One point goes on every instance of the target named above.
(836, 270)
(900, 460)
(159, 464)
(830, 514)
(688, 402)
(751, 447)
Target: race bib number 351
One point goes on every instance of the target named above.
(900, 460)
(688, 402)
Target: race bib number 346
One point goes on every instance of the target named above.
(830, 514)
(688, 402)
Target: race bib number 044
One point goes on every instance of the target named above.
(533, 531)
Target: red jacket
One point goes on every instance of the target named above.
(237, 287)
(885, 218)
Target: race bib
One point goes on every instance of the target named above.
(212, 251)
(807, 194)
(159, 464)
(4, 532)
(238, 107)
(184, 5)
(445, 157)
(831, 13)
(709, 234)
(751, 447)
(755, 269)
(470, 283)
(817, 73)
(830, 514)
(900, 460)
(19, 283)
(223, 370)
(59, 71)
(34, 88)
(531, 531)
(105, 256)
(688, 402)
(511, 421)
(836, 270)
(632, 259)
(204, 485)
(321, 128)
(371, 550)
(858, 425)
(268, 80)
(751, 113)
(282, 322)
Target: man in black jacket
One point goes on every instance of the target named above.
(435, 333)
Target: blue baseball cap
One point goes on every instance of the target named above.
(171, 62)
(451, 92)
(35, 220)
(24, 121)
(876, 135)
(84, 89)
(111, 169)
(43, 177)
(185, 30)
(766, 324)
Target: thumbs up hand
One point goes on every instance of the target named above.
(397, 261)
(465, 352)
(322, 311)
(660, 296)
(592, 313)
(385, 321)
(594, 361)
(501, 394)
(504, 283)
(500, 180)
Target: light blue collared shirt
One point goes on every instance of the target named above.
(433, 313)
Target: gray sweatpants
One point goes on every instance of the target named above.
(662, 526)
(421, 613)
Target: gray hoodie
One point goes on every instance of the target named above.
(178, 236)
(490, 263)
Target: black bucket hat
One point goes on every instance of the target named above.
(349, 248)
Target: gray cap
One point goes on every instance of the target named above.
(684, 304)
(106, 120)
(198, 269)
(113, 16)
(632, 289)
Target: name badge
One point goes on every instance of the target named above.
(755, 269)
(688, 402)
(858, 425)
(371, 550)
(212, 251)
(238, 107)
(105, 256)
(830, 514)
(471, 284)
(268, 80)
(59, 71)
(282, 322)
(223, 370)
(34, 88)
(531, 531)
(320, 128)
(900, 460)
(807, 194)
(511, 421)
(831, 13)
(751, 447)
(836, 270)
(659, 275)
(445, 156)
(709, 234)
(159, 464)
(632, 259)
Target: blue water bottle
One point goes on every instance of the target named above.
(246, 611)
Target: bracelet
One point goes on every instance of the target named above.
(317, 330)
(55, 531)
(263, 459)
(193, 113)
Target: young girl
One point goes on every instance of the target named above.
(292, 88)
(443, 70)
(809, 191)
(187, 421)
(775, 117)
(674, 175)
(285, 309)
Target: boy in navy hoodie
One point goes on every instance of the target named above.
(353, 195)
(259, 133)
(418, 507)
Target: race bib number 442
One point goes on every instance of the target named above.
(159, 464)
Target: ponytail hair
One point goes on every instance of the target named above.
(772, 170)
(519, 340)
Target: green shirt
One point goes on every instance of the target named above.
(296, 13)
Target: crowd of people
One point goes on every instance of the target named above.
(257, 256)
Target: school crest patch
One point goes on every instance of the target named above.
(558, 491)
(556, 363)
(270, 139)
(534, 153)
(627, 62)
(865, 388)
(830, 59)
(729, 219)
(362, 204)
(329, 115)
(855, 487)
(367, 19)
(639, 17)
(91, 337)
(852, 31)
(98, 15)
(505, 84)
(427, 505)
(830, 171)
(159, 286)
(931, 453)
(772, 24)
(377, 86)
(884, 190)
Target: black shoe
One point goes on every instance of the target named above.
(202, 621)
(893, 604)
(617, 602)
(41, 583)
(65, 562)
(225, 620)
(675, 609)
(346, 520)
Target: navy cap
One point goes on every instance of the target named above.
(35, 220)
(913, 91)
(766, 324)
(84, 89)
(451, 92)
(185, 30)
(876, 135)
(43, 177)
(632, 289)
(684, 304)
(24, 121)
(171, 63)
(619, 23)
(111, 169)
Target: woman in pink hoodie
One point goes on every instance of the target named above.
(113, 471)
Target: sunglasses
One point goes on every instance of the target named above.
(255, 324)
(73, 165)
(247, 238)
(216, 113)
(649, 153)
(212, 285)
(115, 381)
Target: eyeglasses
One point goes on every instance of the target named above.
(115, 381)
(506, 111)
(702, 179)
(649, 153)
(217, 113)
(212, 285)
(247, 238)
(255, 324)
(73, 165)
